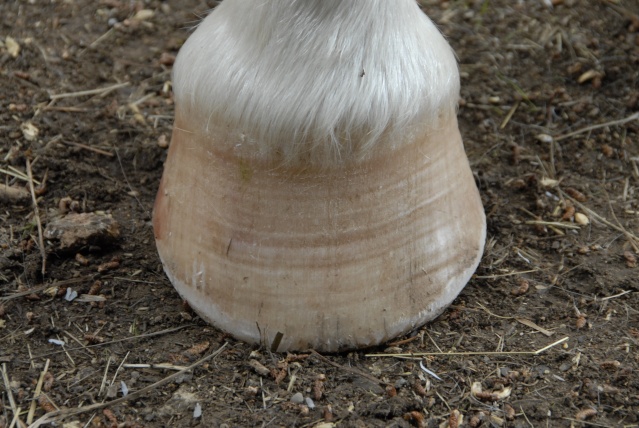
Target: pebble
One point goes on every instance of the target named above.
(581, 219)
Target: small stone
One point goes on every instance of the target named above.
(144, 15)
(163, 142)
(310, 403)
(400, 383)
(29, 131)
(13, 47)
(544, 138)
(167, 58)
(581, 219)
(297, 398)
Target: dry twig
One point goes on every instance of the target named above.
(97, 91)
(36, 394)
(7, 388)
(43, 251)
(85, 147)
(471, 353)
(630, 118)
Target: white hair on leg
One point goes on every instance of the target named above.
(314, 81)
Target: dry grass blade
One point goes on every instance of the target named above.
(104, 377)
(7, 388)
(98, 91)
(85, 147)
(471, 353)
(165, 366)
(523, 321)
(501, 275)
(36, 394)
(97, 41)
(52, 417)
(16, 419)
(630, 118)
(43, 251)
(534, 326)
(623, 293)
(509, 116)
(554, 224)
(16, 173)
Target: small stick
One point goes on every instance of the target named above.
(445, 403)
(89, 91)
(7, 387)
(31, 364)
(471, 353)
(64, 349)
(154, 366)
(117, 371)
(43, 251)
(403, 341)
(142, 100)
(85, 147)
(97, 41)
(554, 224)
(616, 295)
(534, 326)
(104, 378)
(433, 340)
(24, 176)
(526, 417)
(79, 342)
(67, 109)
(523, 321)
(601, 125)
(492, 314)
(61, 414)
(17, 174)
(500, 275)
(89, 298)
(509, 115)
(16, 418)
(38, 389)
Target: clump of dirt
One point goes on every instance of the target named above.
(550, 118)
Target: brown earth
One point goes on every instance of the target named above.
(549, 113)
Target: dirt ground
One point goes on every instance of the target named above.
(549, 115)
